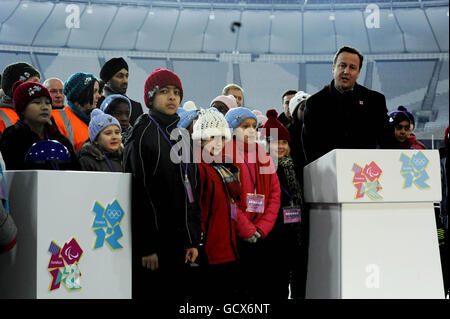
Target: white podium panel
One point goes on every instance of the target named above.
(400, 175)
(390, 250)
(373, 233)
(74, 237)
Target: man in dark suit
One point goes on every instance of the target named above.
(345, 114)
(286, 117)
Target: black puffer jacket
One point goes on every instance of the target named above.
(163, 220)
(93, 159)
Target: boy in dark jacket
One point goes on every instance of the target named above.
(165, 212)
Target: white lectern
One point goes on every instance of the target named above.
(74, 238)
(372, 224)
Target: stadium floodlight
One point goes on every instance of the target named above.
(272, 14)
(89, 9)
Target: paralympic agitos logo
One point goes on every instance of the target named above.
(64, 261)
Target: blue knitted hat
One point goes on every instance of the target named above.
(100, 121)
(76, 84)
(186, 117)
(235, 116)
(110, 98)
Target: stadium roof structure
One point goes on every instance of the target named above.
(209, 29)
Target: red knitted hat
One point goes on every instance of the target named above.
(160, 78)
(272, 122)
(24, 92)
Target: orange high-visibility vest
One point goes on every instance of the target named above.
(71, 126)
(8, 117)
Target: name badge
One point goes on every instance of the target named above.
(255, 203)
(188, 187)
(292, 214)
(233, 211)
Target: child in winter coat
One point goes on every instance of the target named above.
(219, 192)
(224, 103)
(32, 102)
(287, 240)
(260, 200)
(444, 242)
(403, 123)
(119, 106)
(166, 217)
(8, 228)
(103, 151)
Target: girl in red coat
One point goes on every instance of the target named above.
(260, 200)
(220, 189)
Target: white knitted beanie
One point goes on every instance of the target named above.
(210, 123)
(299, 97)
(189, 106)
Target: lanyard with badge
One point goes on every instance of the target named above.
(255, 202)
(108, 162)
(291, 213)
(187, 184)
(233, 211)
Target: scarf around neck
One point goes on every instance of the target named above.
(230, 178)
(81, 115)
(293, 186)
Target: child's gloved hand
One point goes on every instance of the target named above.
(251, 240)
(254, 238)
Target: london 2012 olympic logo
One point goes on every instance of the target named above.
(107, 224)
(414, 170)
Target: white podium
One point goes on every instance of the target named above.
(372, 226)
(74, 237)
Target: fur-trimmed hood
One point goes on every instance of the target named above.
(92, 149)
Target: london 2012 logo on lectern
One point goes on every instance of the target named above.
(107, 224)
(367, 180)
(414, 171)
(64, 263)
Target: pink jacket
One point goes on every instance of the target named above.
(248, 223)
